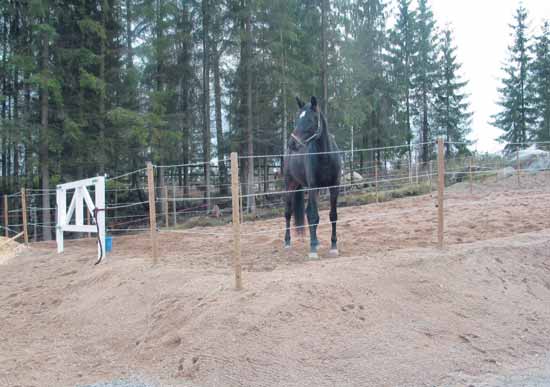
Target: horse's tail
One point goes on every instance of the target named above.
(299, 211)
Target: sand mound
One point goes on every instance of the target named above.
(393, 310)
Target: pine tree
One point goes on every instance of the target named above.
(540, 74)
(451, 115)
(516, 117)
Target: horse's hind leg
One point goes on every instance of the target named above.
(333, 219)
(288, 216)
(313, 221)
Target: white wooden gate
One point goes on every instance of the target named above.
(81, 196)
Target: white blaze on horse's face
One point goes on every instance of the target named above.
(302, 114)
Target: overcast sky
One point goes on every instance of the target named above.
(482, 35)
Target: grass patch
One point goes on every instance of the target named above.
(265, 213)
(357, 199)
(211, 221)
(204, 221)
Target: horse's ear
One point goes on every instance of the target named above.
(300, 102)
(314, 104)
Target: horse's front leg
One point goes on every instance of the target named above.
(288, 216)
(313, 221)
(333, 219)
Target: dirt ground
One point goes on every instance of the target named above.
(392, 310)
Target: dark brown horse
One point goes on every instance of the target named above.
(312, 161)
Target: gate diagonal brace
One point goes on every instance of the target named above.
(81, 199)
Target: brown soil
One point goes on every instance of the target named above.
(392, 310)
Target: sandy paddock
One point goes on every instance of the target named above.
(391, 310)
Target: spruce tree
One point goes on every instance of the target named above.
(516, 117)
(541, 83)
(424, 77)
(401, 53)
(451, 114)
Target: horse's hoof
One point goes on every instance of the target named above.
(333, 253)
(313, 256)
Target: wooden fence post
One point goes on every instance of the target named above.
(376, 180)
(430, 172)
(152, 211)
(24, 213)
(165, 204)
(241, 213)
(235, 195)
(34, 215)
(440, 190)
(6, 216)
(410, 172)
(174, 205)
(518, 166)
(471, 181)
(115, 212)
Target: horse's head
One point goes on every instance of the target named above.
(308, 124)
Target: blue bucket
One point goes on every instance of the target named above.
(108, 244)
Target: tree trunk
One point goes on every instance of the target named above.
(131, 92)
(27, 159)
(283, 95)
(15, 93)
(206, 99)
(324, 75)
(101, 119)
(222, 169)
(129, 37)
(184, 63)
(408, 112)
(251, 200)
(425, 132)
(4, 101)
(44, 163)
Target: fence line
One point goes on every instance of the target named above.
(194, 164)
(126, 229)
(41, 189)
(119, 206)
(126, 218)
(42, 225)
(329, 187)
(529, 143)
(141, 219)
(126, 174)
(10, 229)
